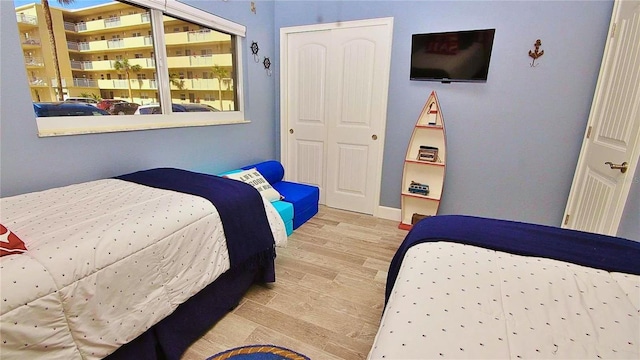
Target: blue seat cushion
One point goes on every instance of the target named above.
(303, 197)
(285, 210)
(304, 215)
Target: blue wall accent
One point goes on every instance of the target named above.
(513, 142)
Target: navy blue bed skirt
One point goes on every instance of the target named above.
(171, 337)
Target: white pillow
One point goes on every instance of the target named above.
(254, 178)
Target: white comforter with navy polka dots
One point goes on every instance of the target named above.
(106, 260)
(458, 301)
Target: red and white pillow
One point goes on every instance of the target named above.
(10, 243)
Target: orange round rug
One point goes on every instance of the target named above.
(259, 352)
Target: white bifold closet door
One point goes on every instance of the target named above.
(334, 106)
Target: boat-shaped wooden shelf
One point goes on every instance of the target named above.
(424, 166)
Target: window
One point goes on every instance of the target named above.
(132, 74)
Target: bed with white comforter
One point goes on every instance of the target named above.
(106, 260)
(459, 296)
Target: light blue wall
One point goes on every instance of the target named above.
(630, 223)
(29, 163)
(513, 142)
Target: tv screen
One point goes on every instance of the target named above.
(451, 56)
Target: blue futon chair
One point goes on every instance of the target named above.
(303, 197)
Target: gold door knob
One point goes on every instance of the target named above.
(622, 167)
(290, 131)
(374, 137)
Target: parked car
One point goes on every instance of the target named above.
(155, 108)
(43, 109)
(123, 108)
(192, 108)
(104, 104)
(85, 100)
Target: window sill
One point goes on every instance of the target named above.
(76, 125)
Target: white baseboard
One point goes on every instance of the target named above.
(388, 213)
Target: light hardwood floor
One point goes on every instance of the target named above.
(328, 296)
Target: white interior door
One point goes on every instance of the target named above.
(334, 102)
(611, 147)
(357, 116)
(305, 127)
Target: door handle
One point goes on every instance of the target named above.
(622, 167)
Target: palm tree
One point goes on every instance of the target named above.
(52, 40)
(90, 95)
(123, 65)
(220, 73)
(175, 80)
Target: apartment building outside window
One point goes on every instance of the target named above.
(126, 64)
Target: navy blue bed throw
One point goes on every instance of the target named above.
(593, 250)
(245, 224)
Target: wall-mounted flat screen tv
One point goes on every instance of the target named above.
(451, 56)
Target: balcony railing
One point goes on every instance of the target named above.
(82, 82)
(76, 65)
(148, 63)
(27, 19)
(84, 46)
(31, 41)
(121, 84)
(113, 22)
(37, 81)
(115, 43)
(72, 45)
(144, 84)
(81, 65)
(33, 61)
(201, 60)
(207, 84)
(69, 26)
(200, 35)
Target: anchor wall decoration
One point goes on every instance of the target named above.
(536, 53)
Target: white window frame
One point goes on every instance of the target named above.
(74, 125)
